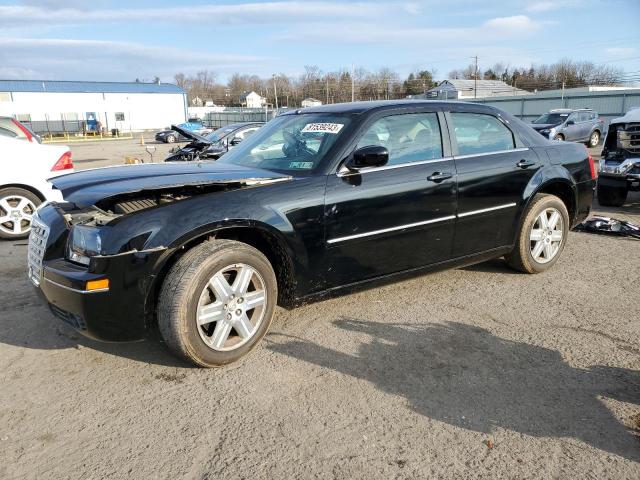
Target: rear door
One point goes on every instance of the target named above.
(398, 216)
(572, 132)
(494, 167)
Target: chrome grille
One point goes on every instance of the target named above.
(629, 138)
(37, 245)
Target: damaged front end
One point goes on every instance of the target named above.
(621, 152)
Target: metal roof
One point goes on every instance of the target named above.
(63, 86)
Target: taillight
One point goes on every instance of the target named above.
(592, 167)
(63, 163)
(26, 132)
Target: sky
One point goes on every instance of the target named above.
(124, 40)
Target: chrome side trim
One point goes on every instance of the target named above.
(483, 210)
(457, 157)
(347, 173)
(74, 289)
(391, 229)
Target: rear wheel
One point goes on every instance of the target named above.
(217, 302)
(559, 137)
(542, 235)
(594, 139)
(611, 196)
(17, 207)
(171, 139)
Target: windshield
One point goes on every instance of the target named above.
(289, 143)
(552, 118)
(220, 133)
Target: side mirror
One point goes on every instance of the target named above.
(369, 156)
(235, 141)
(570, 122)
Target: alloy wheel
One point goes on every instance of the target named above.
(231, 307)
(546, 235)
(16, 213)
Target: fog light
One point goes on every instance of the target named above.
(102, 284)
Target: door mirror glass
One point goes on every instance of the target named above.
(570, 122)
(235, 141)
(369, 156)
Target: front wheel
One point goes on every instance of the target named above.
(594, 139)
(217, 302)
(611, 196)
(17, 207)
(542, 236)
(171, 139)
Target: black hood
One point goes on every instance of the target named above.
(88, 187)
(190, 135)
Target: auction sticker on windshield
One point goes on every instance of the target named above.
(322, 127)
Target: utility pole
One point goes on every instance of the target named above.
(327, 79)
(275, 90)
(475, 78)
(353, 92)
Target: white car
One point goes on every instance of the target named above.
(24, 170)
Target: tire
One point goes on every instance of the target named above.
(171, 139)
(559, 137)
(525, 257)
(193, 284)
(16, 208)
(594, 139)
(611, 196)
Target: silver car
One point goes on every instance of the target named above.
(581, 125)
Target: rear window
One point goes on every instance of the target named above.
(477, 133)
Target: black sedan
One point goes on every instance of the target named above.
(318, 200)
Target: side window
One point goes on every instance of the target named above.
(574, 117)
(412, 137)
(478, 133)
(584, 116)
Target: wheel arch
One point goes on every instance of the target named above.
(262, 237)
(23, 186)
(561, 188)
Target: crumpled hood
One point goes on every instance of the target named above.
(88, 187)
(632, 115)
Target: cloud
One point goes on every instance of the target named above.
(109, 60)
(620, 51)
(515, 24)
(223, 14)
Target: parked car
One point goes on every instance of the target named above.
(620, 165)
(384, 189)
(23, 182)
(12, 128)
(212, 145)
(581, 125)
(194, 125)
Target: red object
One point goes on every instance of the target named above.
(22, 129)
(592, 166)
(63, 163)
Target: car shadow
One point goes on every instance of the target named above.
(496, 265)
(39, 329)
(467, 377)
(631, 206)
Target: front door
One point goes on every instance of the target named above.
(396, 217)
(494, 169)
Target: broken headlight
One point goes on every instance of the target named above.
(83, 243)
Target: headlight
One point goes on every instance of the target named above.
(83, 243)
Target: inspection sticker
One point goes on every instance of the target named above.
(322, 127)
(301, 165)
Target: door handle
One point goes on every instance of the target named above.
(439, 176)
(525, 163)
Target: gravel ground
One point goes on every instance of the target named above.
(478, 372)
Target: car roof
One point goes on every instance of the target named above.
(569, 110)
(241, 124)
(363, 107)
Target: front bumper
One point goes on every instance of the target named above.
(117, 313)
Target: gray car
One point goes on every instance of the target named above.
(581, 125)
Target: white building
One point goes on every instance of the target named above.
(468, 89)
(71, 106)
(310, 102)
(252, 100)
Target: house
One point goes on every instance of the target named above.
(310, 102)
(252, 100)
(469, 89)
(73, 106)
